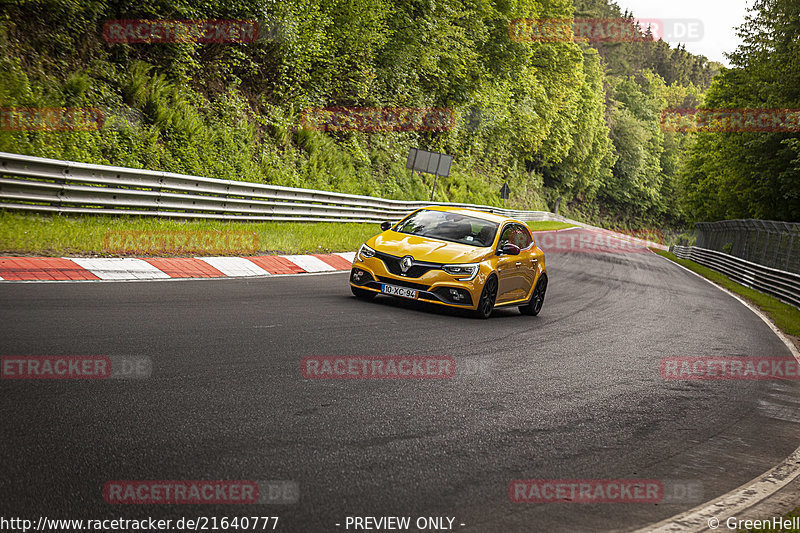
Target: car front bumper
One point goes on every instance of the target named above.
(435, 286)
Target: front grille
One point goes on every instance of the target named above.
(418, 269)
(403, 283)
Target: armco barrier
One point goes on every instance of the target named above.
(46, 185)
(783, 285)
(37, 184)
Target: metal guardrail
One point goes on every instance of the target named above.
(36, 184)
(47, 185)
(766, 242)
(783, 285)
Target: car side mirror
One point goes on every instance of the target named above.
(385, 226)
(510, 249)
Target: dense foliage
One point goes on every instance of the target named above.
(567, 124)
(752, 174)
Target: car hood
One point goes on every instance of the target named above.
(425, 249)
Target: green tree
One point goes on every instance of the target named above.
(752, 174)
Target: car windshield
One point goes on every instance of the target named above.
(451, 227)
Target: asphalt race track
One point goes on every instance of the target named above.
(574, 393)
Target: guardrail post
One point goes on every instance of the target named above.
(160, 191)
(63, 191)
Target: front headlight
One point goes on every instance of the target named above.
(365, 252)
(463, 272)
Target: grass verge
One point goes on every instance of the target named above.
(55, 236)
(549, 226)
(26, 234)
(785, 316)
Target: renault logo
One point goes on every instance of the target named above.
(406, 263)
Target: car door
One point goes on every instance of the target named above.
(527, 261)
(506, 268)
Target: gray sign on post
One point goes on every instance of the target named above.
(429, 163)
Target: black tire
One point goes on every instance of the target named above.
(534, 305)
(362, 294)
(488, 298)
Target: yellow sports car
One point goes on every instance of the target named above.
(455, 257)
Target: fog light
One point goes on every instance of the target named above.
(456, 295)
(358, 275)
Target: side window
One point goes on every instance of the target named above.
(521, 237)
(515, 234)
(506, 236)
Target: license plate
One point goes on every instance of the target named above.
(403, 292)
